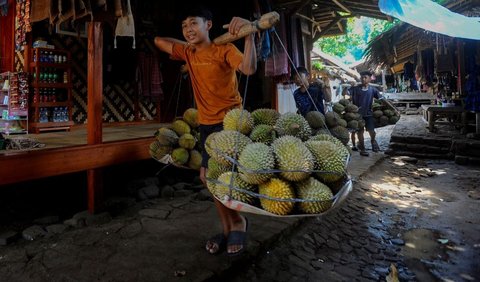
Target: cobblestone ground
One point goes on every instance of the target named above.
(374, 228)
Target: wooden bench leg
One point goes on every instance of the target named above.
(95, 190)
(431, 121)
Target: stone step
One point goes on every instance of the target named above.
(420, 148)
(437, 142)
(419, 155)
(464, 160)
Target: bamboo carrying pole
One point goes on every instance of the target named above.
(266, 21)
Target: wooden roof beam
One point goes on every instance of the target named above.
(302, 4)
(339, 4)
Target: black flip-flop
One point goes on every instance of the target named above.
(220, 240)
(236, 238)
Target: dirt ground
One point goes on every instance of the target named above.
(436, 206)
(421, 214)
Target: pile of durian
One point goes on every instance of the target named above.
(348, 113)
(178, 144)
(383, 114)
(275, 162)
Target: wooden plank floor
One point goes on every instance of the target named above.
(67, 152)
(78, 136)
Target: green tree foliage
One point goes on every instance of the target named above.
(350, 46)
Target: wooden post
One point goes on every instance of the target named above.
(461, 66)
(94, 109)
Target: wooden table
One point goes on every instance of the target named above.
(409, 98)
(433, 112)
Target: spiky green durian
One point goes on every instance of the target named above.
(330, 138)
(239, 120)
(263, 133)
(315, 119)
(312, 189)
(230, 184)
(254, 161)
(158, 151)
(187, 141)
(341, 133)
(293, 124)
(190, 116)
(195, 160)
(265, 116)
(166, 136)
(227, 144)
(292, 154)
(180, 156)
(330, 158)
(180, 127)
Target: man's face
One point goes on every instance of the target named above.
(365, 79)
(301, 79)
(195, 29)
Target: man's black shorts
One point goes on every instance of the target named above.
(206, 130)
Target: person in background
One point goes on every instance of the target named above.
(309, 96)
(362, 96)
(213, 73)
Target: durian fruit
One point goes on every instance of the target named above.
(393, 119)
(180, 156)
(195, 160)
(330, 159)
(209, 141)
(292, 154)
(342, 122)
(341, 133)
(349, 116)
(351, 108)
(388, 113)
(383, 120)
(190, 116)
(263, 133)
(377, 113)
(226, 184)
(227, 143)
(331, 119)
(265, 116)
(361, 123)
(239, 120)
(344, 102)
(338, 108)
(256, 157)
(278, 189)
(330, 138)
(293, 124)
(312, 189)
(158, 151)
(180, 127)
(315, 119)
(353, 124)
(187, 141)
(214, 170)
(166, 136)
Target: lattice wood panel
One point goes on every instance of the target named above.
(118, 99)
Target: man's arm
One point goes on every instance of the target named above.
(165, 44)
(249, 64)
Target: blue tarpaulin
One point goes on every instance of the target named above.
(431, 16)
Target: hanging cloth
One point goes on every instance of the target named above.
(125, 26)
(3, 8)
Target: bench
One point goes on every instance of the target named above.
(431, 113)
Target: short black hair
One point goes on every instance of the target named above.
(196, 11)
(369, 73)
(301, 69)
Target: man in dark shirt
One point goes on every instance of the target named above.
(362, 96)
(309, 96)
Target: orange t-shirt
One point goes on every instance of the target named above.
(214, 81)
